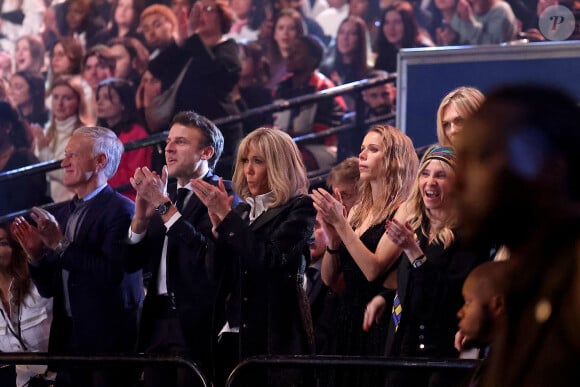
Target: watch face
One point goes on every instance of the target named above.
(162, 208)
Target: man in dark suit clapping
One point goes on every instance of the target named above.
(168, 239)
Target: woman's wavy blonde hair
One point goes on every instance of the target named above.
(400, 168)
(419, 216)
(284, 167)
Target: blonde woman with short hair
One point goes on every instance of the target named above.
(453, 110)
(259, 253)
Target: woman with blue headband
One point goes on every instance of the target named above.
(433, 267)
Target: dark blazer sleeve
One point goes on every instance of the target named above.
(45, 276)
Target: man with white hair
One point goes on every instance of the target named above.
(76, 255)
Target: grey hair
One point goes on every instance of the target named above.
(105, 141)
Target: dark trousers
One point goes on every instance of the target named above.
(167, 340)
(227, 357)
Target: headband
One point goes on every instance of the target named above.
(441, 153)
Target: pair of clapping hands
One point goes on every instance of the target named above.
(152, 190)
(332, 212)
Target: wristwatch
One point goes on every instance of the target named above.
(62, 246)
(163, 207)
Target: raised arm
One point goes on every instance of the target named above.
(372, 264)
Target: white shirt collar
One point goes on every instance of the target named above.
(259, 204)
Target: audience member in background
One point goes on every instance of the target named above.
(348, 62)
(251, 91)
(79, 19)
(484, 22)
(455, 108)
(26, 191)
(343, 182)
(124, 23)
(264, 311)
(159, 26)
(249, 16)
(518, 186)
(26, 316)
(444, 34)
(311, 27)
(77, 254)
(399, 29)
(370, 12)
(170, 243)
(149, 88)
(359, 255)
(287, 28)
(29, 54)
(331, 18)
(12, 26)
(116, 110)
(303, 61)
(98, 64)
(27, 96)
(131, 59)
(69, 112)
(379, 100)
(207, 60)
(66, 58)
(432, 270)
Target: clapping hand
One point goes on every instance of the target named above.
(151, 190)
(400, 234)
(216, 199)
(328, 206)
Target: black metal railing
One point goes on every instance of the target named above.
(352, 362)
(101, 361)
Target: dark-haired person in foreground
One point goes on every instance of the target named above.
(167, 239)
(517, 183)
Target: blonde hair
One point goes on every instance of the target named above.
(466, 100)
(284, 167)
(400, 168)
(419, 215)
(83, 114)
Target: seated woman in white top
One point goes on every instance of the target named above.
(25, 316)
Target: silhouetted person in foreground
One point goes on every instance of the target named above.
(518, 185)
